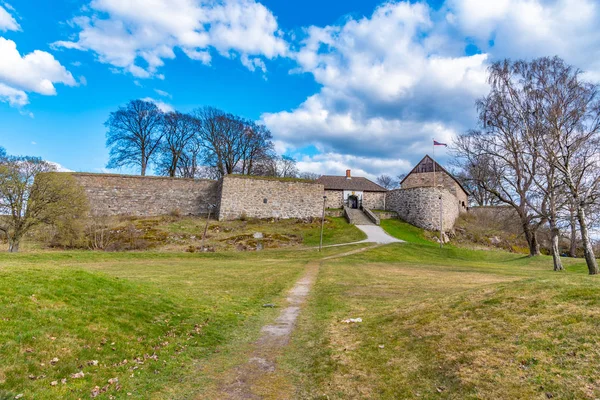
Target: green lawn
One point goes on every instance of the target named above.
(404, 231)
(448, 323)
(151, 320)
(437, 323)
(336, 230)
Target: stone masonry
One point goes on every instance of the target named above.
(256, 197)
(111, 194)
(420, 206)
(425, 179)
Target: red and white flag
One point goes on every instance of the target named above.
(436, 143)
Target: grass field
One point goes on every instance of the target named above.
(449, 323)
(151, 320)
(437, 323)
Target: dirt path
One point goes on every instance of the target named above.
(258, 378)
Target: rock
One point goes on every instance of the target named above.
(495, 240)
(54, 361)
(258, 235)
(352, 320)
(53, 383)
(78, 375)
(269, 305)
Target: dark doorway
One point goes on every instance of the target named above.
(353, 201)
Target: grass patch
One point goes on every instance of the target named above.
(165, 315)
(337, 230)
(405, 231)
(450, 323)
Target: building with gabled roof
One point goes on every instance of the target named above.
(428, 173)
(355, 192)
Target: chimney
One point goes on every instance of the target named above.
(348, 174)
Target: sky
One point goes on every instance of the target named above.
(341, 84)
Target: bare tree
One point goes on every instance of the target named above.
(256, 146)
(386, 181)
(178, 130)
(134, 135)
(189, 165)
(498, 155)
(222, 136)
(570, 109)
(309, 176)
(279, 167)
(31, 195)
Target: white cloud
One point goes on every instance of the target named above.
(164, 107)
(7, 21)
(138, 36)
(381, 97)
(163, 93)
(337, 164)
(35, 72)
(533, 28)
(59, 167)
(393, 81)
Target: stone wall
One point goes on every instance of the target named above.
(425, 179)
(374, 200)
(335, 198)
(420, 206)
(269, 198)
(110, 194)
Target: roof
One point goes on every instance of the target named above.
(438, 167)
(355, 183)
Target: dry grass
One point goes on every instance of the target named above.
(452, 324)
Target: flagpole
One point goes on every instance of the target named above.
(433, 163)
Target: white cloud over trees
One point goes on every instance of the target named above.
(137, 36)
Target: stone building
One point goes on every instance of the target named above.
(355, 192)
(428, 173)
(418, 201)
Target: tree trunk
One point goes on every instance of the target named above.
(143, 172)
(573, 223)
(555, 249)
(531, 237)
(13, 245)
(590, 258)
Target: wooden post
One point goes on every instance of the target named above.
(322, 223)
(210, 207)
(441, 220)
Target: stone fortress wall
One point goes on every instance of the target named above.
(112, 194)
(234, 197)
(255, 197)
(420, 206)
(426, 179)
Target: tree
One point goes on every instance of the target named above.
(278, 167)
(221, 135)
(30, 195)
(256, 147)
(386, 181)
(189, 165)
(134, 135)
(178, 130)
(309, 176)
(500, 154)
(570, 110)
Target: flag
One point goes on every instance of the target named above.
(436, 143)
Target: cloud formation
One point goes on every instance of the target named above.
(393, 81)
(7, 21)
(35, 72)
(137, 36)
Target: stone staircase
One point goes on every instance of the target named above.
(357, 217)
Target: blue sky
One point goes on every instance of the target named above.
(341, 84)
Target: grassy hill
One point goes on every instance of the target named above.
(437, 323)
(451, 323)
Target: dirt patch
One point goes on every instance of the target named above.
(249, 242)
(250, 378)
